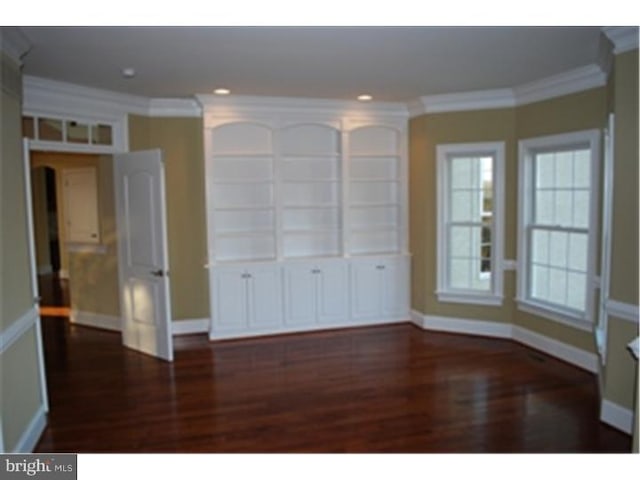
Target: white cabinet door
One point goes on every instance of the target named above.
(229, 300)
(395, 287)
(332, 292)
(300, 294)
(365, 289)
(265, 296)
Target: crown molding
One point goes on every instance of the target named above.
(14, 43)
(174, 107)
(241, 103)
(573, 81)
(623, 38)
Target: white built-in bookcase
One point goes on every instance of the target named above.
(295, 181)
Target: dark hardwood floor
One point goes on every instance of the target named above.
(383, 389)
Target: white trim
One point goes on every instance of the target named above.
(509, 265)
(96, 320)
(553, 314)
(15, 44)
(18, 328)
(467, 327)
(471, 298)
(2, 450)
(174, 107)
(565, 83)
(622, 310)
(623, 38)
(45, 269)
(570, 354)
(190, 326)
(41, 367)
(31, 434)
(634, 347)
(617, 416)
(465, 101)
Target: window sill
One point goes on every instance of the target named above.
(96, 248)
(555, 315)
(470, 298)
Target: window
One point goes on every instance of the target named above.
(470, 210)
(558, 180)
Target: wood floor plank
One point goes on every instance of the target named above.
(380, 389)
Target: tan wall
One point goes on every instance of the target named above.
(426, 132)
(19, 369)
(93, 277)
(620, 368)
(181, 142)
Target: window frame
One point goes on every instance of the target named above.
(444, 293)
(527, 149)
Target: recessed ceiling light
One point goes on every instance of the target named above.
(222, 91)
(365, 98)
(128, 72)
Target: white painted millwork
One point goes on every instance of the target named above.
(617, 416)
(80, 192)
(623, 38)
(143, 255)
(303, 197)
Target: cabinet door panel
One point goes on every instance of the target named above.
(395, 287)
(300, 295)
(230, 300)
(265, 297)
(365, 290)
(333, 292)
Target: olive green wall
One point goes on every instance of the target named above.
(574, 112)
(19, 369)
(93, 277)
(620, 370)
(181, 142)
(426, 132)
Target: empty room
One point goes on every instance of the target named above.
(319, 239)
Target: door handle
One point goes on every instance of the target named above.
(157, 273)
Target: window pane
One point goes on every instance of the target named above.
(461, 206)
(461, 273)
(564, 170)
(28, 127)
(540, 282)
(558, 249)
(576, 294)
(460, 242)
(77, 132)
(578, 251)
(50, 129)
(540, 246)
(544, 207)
(544, 170)
(580, 209)
(581, 169)
(101, 135)
(563, 208)
(557, 286)
(462, 173)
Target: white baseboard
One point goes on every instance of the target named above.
(45, 269)
(29, 438)
(190, 326)
(568, 353)
(96, 320)
(617, 416)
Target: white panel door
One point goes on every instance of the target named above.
(142, 250)
(365, 289)
(333, 292)
(395, 287)
(300, 294)
(265, 296)
(230, 300)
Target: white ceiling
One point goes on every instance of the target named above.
(391, 63)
